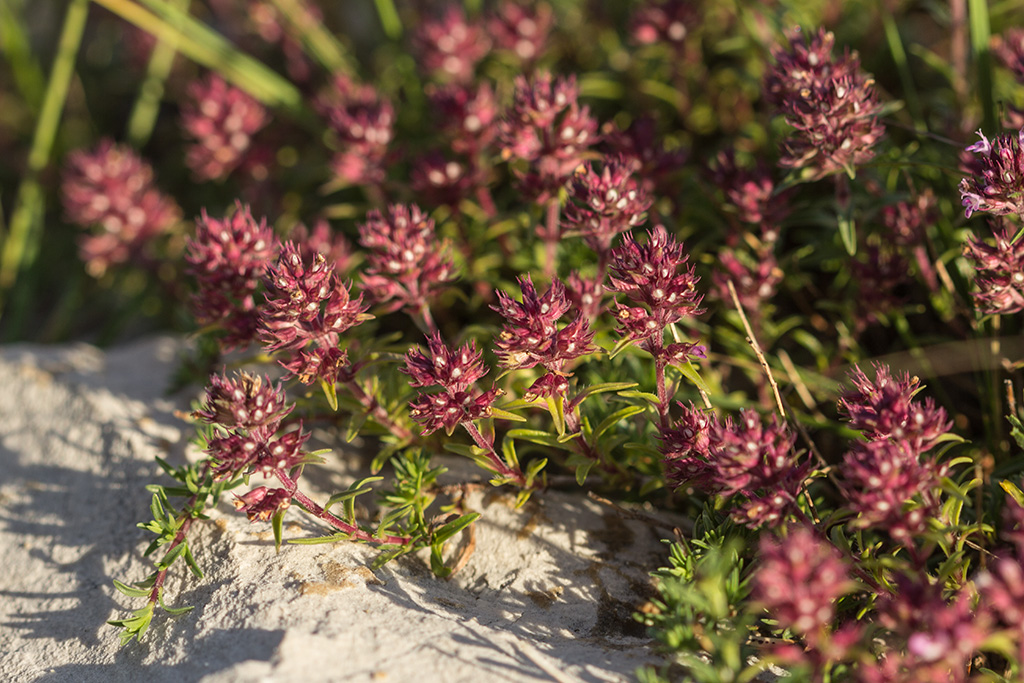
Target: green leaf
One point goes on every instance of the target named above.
(582, 470)
(199, 42)
(331, 393)
(174, 610)
(455, 526)
(533, 469)
(847, 228)
(316, 540)
(691, 373)
(556, 406)
(358, 488)
(172, 555)
(355, 425)
(277, 522)
(192, 564)
(391, 518)
(645, 395)
(437, 561)
(536, 436)
(1018, 430)
(131, 591)
(505, 415)
(600, 389)
(1013, 490)
(615, 418)
(621, 346)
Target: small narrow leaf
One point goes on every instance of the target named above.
(130, 591)
(1013, 490)
(615, 418)
(277, 522)
(331, 393)
(505, 415)
(691, 373)
(451, 528)
(583, 470)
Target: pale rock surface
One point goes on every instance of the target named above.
(547, 595)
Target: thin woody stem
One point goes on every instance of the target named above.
(752, 340)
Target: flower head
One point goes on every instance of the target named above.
(363, 122)
(548, 130)
(466, 115)
(454, 371)
(798, 581)
(685, 447)
(996, 184)
(222, 119)
(907, 221)
(228, 257)
(644, 151)
(831, 104)
(605, 203)
(885, 409)
(891, 488)
(750, 193)
(245, 401)
(440, 180)
(308, 306)
(262, 503)
(112, 188)
(1009, 48)
(759, 463)
(449, 47)
(650, 275)
(407, 264)
(667, 22)
(521, 30)
(531, 336)
(1000, 273)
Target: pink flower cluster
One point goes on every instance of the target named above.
(363, 122)
(548, 130)
(228, 258)
(531, 336)
(454, 372)
(1000, 273)
(996, 184)
(605, 204)
(830, 102)
(407, 265)
(449, 47)
(650, 275)
(113, 189)
(222, 119)
(307, 310)
(247, 411)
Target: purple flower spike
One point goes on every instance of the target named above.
(996, 183)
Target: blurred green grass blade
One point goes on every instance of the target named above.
(318, 41)
(389, 18)
(22, 242)
(25, 69)
(899, 57)
(200, 43)
(980, 35)
(147, 104)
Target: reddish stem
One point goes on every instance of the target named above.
(499, 465)
(292, 486)
(378, 412)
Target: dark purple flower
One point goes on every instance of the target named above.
(885, 409)
(1009, 48)
(407, 265)
(586, 295)
(907, 221)
(440, 180)
(879, 271)
(112, 188)
(454, 371)
(654, 166)
(605, 204)
(758, 463)
(222, 120)
(248, 402)
(333, 246)
(262, 503)
(548, 130)
(650, 275)
(686, 449)
(1000, 273)
(228, 258)
(668, 22)
(798, 581)
(755, 280)
(521, 30)
(363, 122)
(308, 306)
(531, 335)
(831, 104)
(996, 184)
(450, 47)
(891, 488)
(466, 115)
(750, 193)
